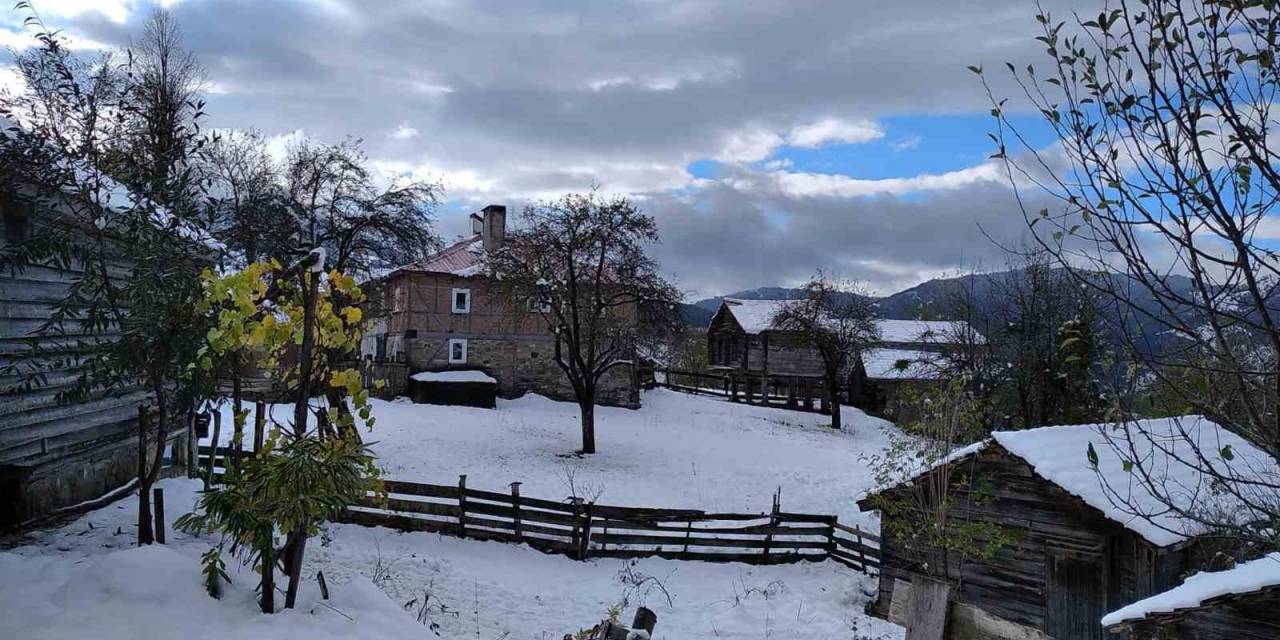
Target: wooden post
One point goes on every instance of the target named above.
(750, 390)
(726, 385)
(462, 505)
(733, 389)
(862, 555)
(791, 392)
(259, 426)
(193, 459)
(213, 445)
(575, 537)
(324, 586)
(584, 540)
(825, 399)
(688, 531)
(157, 499)
(773, 521)
(515, 507)
(808, 395)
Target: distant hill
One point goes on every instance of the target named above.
(931, 300)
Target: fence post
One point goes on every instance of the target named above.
(585, 539)
(773, 521)
(515, 508)
(733, 389)
(575, 537)
(193, 449)
(157, 499)
(462, 506)
(213, 445)
(688, 531)
(808, 395)
(862, 555)
(259, 426)
(831, 535)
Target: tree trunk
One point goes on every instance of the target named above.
(297, 545)
(588, 410)
(833, 393)
(298, 537)
(145, 533)
(268, 560)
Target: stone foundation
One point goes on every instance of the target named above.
(522, 365)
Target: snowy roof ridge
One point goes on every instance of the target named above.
(1199, 589)
(900, 364)
(1058, 454)
(755, 316)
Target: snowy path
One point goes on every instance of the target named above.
(86, 580)
(676, 451)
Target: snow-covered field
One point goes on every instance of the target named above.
(86, 580)
(676, 451)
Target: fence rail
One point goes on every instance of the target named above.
(584, 530)
(802, 393)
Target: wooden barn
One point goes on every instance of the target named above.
(742, 341)
(1242, 603)
(56, 454)
(1075, 555)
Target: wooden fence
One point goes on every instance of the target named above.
(585, 530)
(395, 376)
(802, 393)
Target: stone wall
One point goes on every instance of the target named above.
(521, 364)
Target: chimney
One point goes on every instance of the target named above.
(493, 226)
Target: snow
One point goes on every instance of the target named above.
(1244, 578)
(1058, 454)
(677, 450)
(883, 364)
(754, 316)
(469, 375)
(87, 580)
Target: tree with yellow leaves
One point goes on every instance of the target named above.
(292, 321)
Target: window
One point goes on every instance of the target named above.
(457, 351)
(461, 301)
(540, 305)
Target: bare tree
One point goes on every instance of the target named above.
(839, 319)
(1165, 171)
(580, 264)
(340, 206)
(246, 208)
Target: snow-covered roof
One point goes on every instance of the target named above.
(1245, 578)
(464, 258)
(469, 375)
(900, 364)
(755, 316)
(923, 331)
(1059, 454)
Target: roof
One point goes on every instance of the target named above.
(900, 364)
(755, 316)
(464, 375)
(1201, 588)
(464, 258)
(1059, 455)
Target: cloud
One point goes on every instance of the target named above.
(403, 132)
(829, 130)
(519, 99)
(906, 144)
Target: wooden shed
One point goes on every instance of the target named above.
(57, 454)
(1241, 603)
(1075, 554)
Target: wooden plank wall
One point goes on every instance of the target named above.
(584, 530)
(801, 393)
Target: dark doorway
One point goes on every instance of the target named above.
(1076, 595)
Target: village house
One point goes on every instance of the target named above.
(1241, 603)
(444, 313)
(1077, 551)
(743, 341)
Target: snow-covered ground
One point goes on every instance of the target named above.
(676, 451)
(86, 580)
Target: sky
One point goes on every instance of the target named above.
(768, 139)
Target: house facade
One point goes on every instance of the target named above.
(742, 339)
(1075, 554)
(444, 313)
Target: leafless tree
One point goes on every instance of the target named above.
(339, 205)
(580, 264)
(246, 207)
(839, 319)
(1165, 172)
